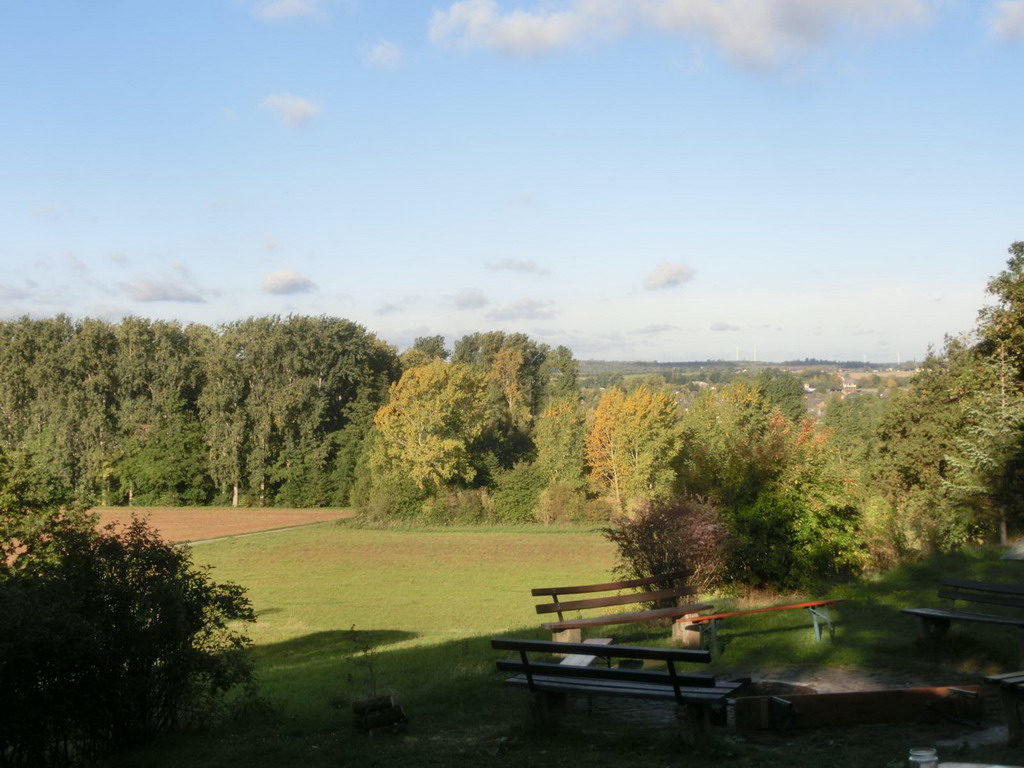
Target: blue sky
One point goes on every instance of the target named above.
(639, 179)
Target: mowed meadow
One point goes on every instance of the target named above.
(413, 609)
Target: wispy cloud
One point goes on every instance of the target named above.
(720, 326)
(756, 32)
(12, 293)
(469, 300)
(176, 286)
(384, 55)
(292, 110)
(388, 308)
(527, 309)
(524, 266)
(668, 274)
(654, 329)
(1008, 19)
(285, 282)
(284, 10)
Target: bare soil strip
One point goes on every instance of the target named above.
(193, 524)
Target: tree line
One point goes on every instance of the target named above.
(308, 411)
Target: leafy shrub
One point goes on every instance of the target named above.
(685, 534)
(516, 493)
(463, 506)
(785, 540)
(109, 638)
(561, 503)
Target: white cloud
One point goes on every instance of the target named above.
(162, 289)
(283, 10)
(757, 32)
(176, 286)
(284, 282)
(384, 55)
(117, 258)
(388, 308)
(292, 110)
(527, 309)
(525, 266)
(1008, 19)
(720, 326)
(668, 274)
(470, 300)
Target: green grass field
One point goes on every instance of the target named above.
(425, 601)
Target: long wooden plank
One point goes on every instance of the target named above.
(986, 586)
(1010, 601)
(705, 618)
(652, 677)
(615, 651)
(630, 690)
(604, 602)
(631, 617)
(607, 587)
(815, 710)
(983, 618)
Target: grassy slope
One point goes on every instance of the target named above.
(427, 601)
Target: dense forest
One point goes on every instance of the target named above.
(313, 411)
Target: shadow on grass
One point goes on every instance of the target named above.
(462, 715)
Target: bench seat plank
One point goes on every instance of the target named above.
(697, 620)
(985, 586)
(650, 676)
(985, 618)
(628, 618)
(626, 689)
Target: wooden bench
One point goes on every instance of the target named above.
(1011, 694)
(571, 630)
(933, 623)
(702, 631)
(696, 695)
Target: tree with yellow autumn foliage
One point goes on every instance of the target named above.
(434, 413)
(631, 446)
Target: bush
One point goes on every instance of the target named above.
(516, 493)
(787, 541)
(463, 506)
(561, 503)
(685, 534)
(109, 638)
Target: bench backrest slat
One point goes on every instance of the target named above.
(652, 677)
(984, 586)
(609, 586)
(612, 651)
(1009, 601)
(601, 602)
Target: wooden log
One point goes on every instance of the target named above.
(861, 707)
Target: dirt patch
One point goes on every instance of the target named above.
(197, 523)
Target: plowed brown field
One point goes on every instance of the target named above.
(198, 523)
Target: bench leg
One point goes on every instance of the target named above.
(568, 636)
(931, 629)
(1013, 706)
(546, 708)
(686, 635)
(694, 722)
(819, 616)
